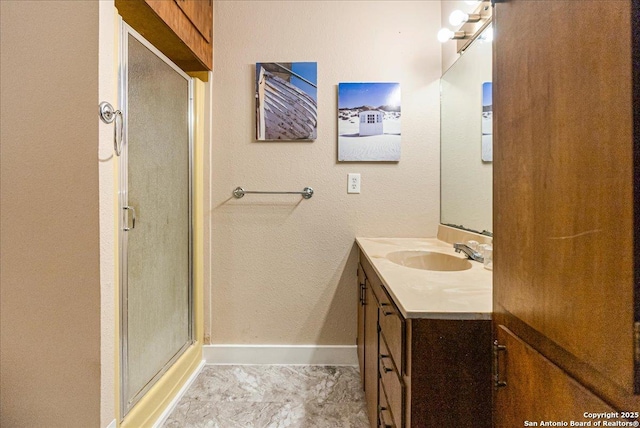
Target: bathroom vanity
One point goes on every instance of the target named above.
(424, 336)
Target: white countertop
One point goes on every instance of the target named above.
(421, 293)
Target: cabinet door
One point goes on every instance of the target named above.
(200, 13)
(361, 321)
(549, 395)
(371, 354)
(171, 31)
(563, 184)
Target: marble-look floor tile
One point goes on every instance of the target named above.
(277, 383)
(239, 414)
(273, 397)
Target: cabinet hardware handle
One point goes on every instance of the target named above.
(384, 367)
(383, 422)
(386, 314)
(496, 364)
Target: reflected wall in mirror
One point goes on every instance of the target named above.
(465, 179)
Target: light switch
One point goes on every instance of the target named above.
(353, 183)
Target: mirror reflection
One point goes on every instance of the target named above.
(466, 140)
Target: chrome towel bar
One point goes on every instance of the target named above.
(306, 193)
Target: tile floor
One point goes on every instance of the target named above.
(273, 397)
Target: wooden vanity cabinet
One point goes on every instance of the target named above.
(180, 29)
(426, 373)
(566, 192)
(449, 370)
(550, 395)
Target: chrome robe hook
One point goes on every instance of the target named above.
(109, 115)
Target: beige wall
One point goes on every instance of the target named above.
(107, 90)
(283, 269)
(50, 276)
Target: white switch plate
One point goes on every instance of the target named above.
(353, 183)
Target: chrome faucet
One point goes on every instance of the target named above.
(468, 251)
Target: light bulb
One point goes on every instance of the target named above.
(458, 17)
(445, 35)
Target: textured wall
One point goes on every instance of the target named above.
(283, 269)
(50, 276)
(108, 79)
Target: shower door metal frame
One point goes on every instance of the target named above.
(123, 194)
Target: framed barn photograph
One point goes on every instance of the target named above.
(369, 122)
(286, 101)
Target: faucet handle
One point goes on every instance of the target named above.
(460, 247)
(473, 245)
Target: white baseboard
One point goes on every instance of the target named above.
(326, 355)
(172, 405)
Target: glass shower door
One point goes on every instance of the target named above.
(155, 202)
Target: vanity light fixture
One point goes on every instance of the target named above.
(459, 17)
(445, 34)
(469, 25)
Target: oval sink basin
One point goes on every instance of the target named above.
(429, 260)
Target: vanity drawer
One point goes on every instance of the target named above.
(392, 326)
(390, 383)
(372, 276)
(378, 290)
(385, 419)
(387, 361)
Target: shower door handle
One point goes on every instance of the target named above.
(133, 218)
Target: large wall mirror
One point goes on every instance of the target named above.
(466, 140)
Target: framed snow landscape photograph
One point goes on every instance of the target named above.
(487, 122)
(369, 122)
(286, 101)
